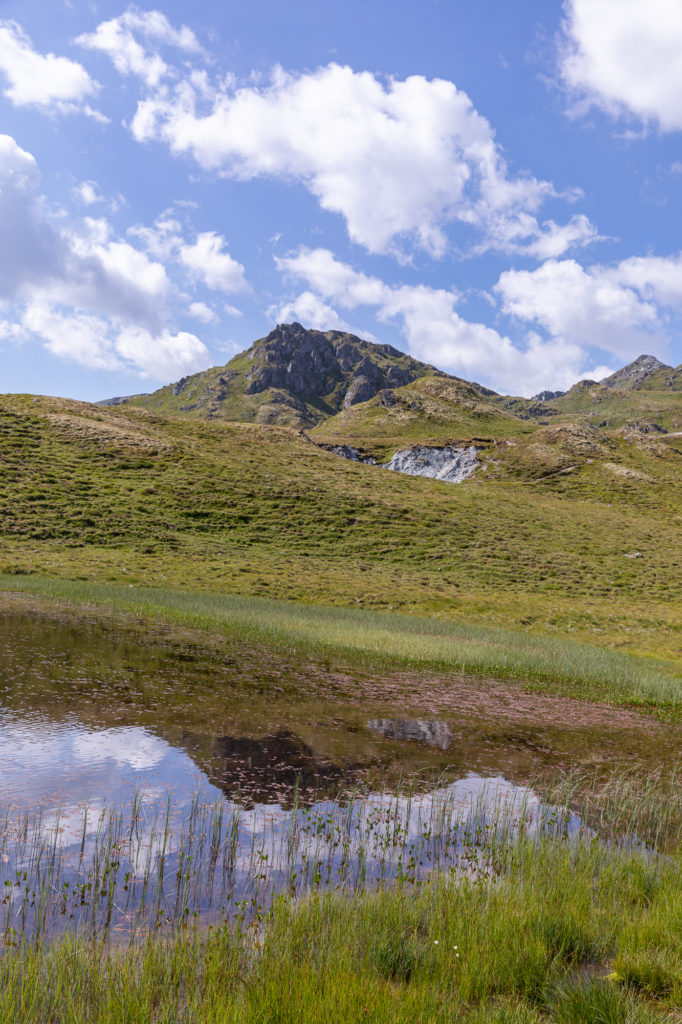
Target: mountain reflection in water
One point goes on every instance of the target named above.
(270, 768)
(421, 730)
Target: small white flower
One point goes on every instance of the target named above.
(435, 942)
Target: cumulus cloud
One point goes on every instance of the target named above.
(164, 355)
(625, 57)
(80, 337)
(208, 261)
(309, 309)
(84, 267)
(622, 309)
(88, 193)
(433, 329)
(99, 343)
(118, 39)
(51, 83)
(200, 311)
(399, 160)
(90, 297)
(162, 238)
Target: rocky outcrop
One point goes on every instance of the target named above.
(366, 381)
(452, 465)
(294, 360)
(338, 368)
(635, 372)
(547, 396)
(122, 399)
(346, 451)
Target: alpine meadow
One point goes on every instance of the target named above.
(340, 514)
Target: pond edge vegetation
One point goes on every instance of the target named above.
(386, 640)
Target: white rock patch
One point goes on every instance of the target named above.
(452, 465)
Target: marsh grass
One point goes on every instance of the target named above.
(384, 639)
(121, 872)
(559, 931)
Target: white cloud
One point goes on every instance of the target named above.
(208, 262)
(622, 309)
(435, 332)
(200, 311)
(557, 239)
(89, 296)
(88, 193)
(164, 356)
(100, 343)
(399, 160)
(80, 337)
(42, 259)
(117, 38)
(311, 310)
(51, 83)
(625, 56)
(161, 239)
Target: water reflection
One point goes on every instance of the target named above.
(270, 768)
(159, 863)
(420, 730)
(145, 784)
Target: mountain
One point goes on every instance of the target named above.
(345, 391)
(293, 377)
(632, 375)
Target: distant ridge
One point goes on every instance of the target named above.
(635, 372)
(122, 399)
(343, 387)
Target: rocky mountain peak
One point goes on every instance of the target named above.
(331, 365)
(635, 372)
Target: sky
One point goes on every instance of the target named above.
(494, 188)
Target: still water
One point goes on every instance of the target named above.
(144, 784)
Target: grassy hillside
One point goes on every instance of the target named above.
(615, 407)
(431, 410)
(565, 530)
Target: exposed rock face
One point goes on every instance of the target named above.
(642, 427)
(419, 730)
(453, 465)
(346, 451)
(332, 366)
(295, 360)
(547, 396)
(450, 464)
(634, 373)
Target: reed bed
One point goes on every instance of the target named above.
(554, 664)
(121, 872)
(514, 912)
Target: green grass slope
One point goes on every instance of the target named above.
(654, 401)
(434, 410)
(556, 532)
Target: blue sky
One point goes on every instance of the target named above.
(493, 187)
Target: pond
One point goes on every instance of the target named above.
(152, 781)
